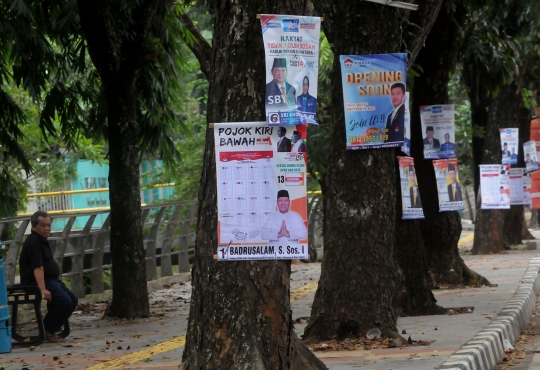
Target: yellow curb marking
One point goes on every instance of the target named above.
(175, 343)
(466, 239)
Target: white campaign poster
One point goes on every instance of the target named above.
(438, 129)
(410, 194)
(529, 152)
(509, 145)
(291, 46)
(520, 186)
(262, 202)
(494, 187)
(406, 148)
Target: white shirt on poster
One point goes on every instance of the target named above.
(294, 223)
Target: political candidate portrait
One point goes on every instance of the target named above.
(429, 141)
(284, 225)
(447, 145)
(454, 189)
(416, 202)
(279, 93)
(284, 143)
(299, 144)
(514, 154)
(503, 196)
(396, 118)
(505, 152)
(306, 102)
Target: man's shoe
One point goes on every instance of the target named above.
(53, 338)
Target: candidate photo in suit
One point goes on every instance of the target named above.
(416, 202)
(429, 141)
(505, 151)
(305, 102)
(396, 118)
(279, 93)
(447, 145)
(454, 190)
(284, 143)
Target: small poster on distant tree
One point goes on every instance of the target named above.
(520, 186)
(494, 187)
(406, 148)
(410, 195)
(529, 151)
(448, 186)
(509, 145)
(438, 129)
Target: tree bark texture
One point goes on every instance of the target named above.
(118, 59)
(488, 234)
(359, 282)
(240, 315)
(440, 230)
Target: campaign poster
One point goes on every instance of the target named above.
(261, 192)
(291, 47)
(438, 128)
(509, 145)
(410, 195)
(448, 185)
(535, 189)
(406, 148)
(529, 151)
(374, 89)
(520, 185)
(494, 187)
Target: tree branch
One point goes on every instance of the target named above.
(200, 48)
(425, 18)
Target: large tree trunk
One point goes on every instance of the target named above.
(359, 283)
(440, 230)
(240, 314)
(119, 59)
(488, 234)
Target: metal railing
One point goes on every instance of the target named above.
(168, 231)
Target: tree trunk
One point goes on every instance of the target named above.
(240, 314)
(488, 233)
(359, 283)
(440, 230)
(119, 60)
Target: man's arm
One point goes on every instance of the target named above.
(40, 278)
(297, 229)
(268, 232)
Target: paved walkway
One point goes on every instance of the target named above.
(156, 342)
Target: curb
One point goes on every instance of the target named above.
(25, 315)
(487, 347)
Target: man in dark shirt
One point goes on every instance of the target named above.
(38, 267)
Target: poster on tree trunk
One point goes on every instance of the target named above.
(535, 189)
(406, 148)
(509, 145)
(261, 192)
(410, 195)
(529, 151)
(494, 187)
(448, 186)
(374, 89)
(291, 46)
(438, 127)
(520, 186)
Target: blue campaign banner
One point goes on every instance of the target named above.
(374, 89)
(291, 46)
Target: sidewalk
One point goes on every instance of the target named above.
(156, 342)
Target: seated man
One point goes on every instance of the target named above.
(38, 267)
